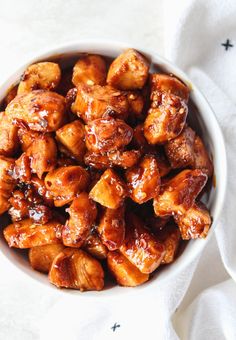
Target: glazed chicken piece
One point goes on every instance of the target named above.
(97, 160)
(41, 257)
(180, 149)
(167, 115)
(201, 158)
(74, 268)
(42, 153)
(136, 103)
(19, 206)
(111, 228)
(166, 121)
(27, 234)
(143, 180)
(41, 110)
(123, 159)
(93, 102)
(141, 247)
(7, 183)
(110, 191)
(163, 83)
(8, 136)
(170, 237)
(179, 193)
(27, 202)
(195, 222)
(107, 135)
(22, 170)
(125, 273)
(26, 136)
(188, 150)
(44, 76)
(94, 246)
(139, 140)
(65, 183)
(129, 71)
(83, 213)
(40, 157)
(90, 70)
(72, 137)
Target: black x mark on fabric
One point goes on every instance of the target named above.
(115, 326)
(227, 45)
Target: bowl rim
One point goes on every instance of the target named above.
(101, 46)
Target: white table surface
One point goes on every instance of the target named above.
(26, 27)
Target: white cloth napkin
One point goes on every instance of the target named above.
(195, 31)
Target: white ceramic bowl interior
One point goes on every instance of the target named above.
(202, 119)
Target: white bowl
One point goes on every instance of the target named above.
(204, 121)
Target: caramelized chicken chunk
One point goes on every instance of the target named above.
(166, 121)
(28, 203)
(140, 247)
(74, 268)
(90, 70)
(170, 237)
(7, 183)
(27, 234)
(125, 273)
(107, 135)
(163, 83)
(26, 137)
(112, 228)
(124, 159)
(97, 160)
(41, 257)
(180, 149)
(188, 150)
(97, 101)
(82, 213)
(40, 188)
(139, 140)
(129, 71)
(201, 158)
(72, 137)
(42, 153)
(136, 103)
(22, 170)
(65, 183)
(143, 180)
(179, 193)
(8, 136)
(195, 222)
(110, 191)
(94, 246)
(44, 75)
(19, 206)
(40, 110)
